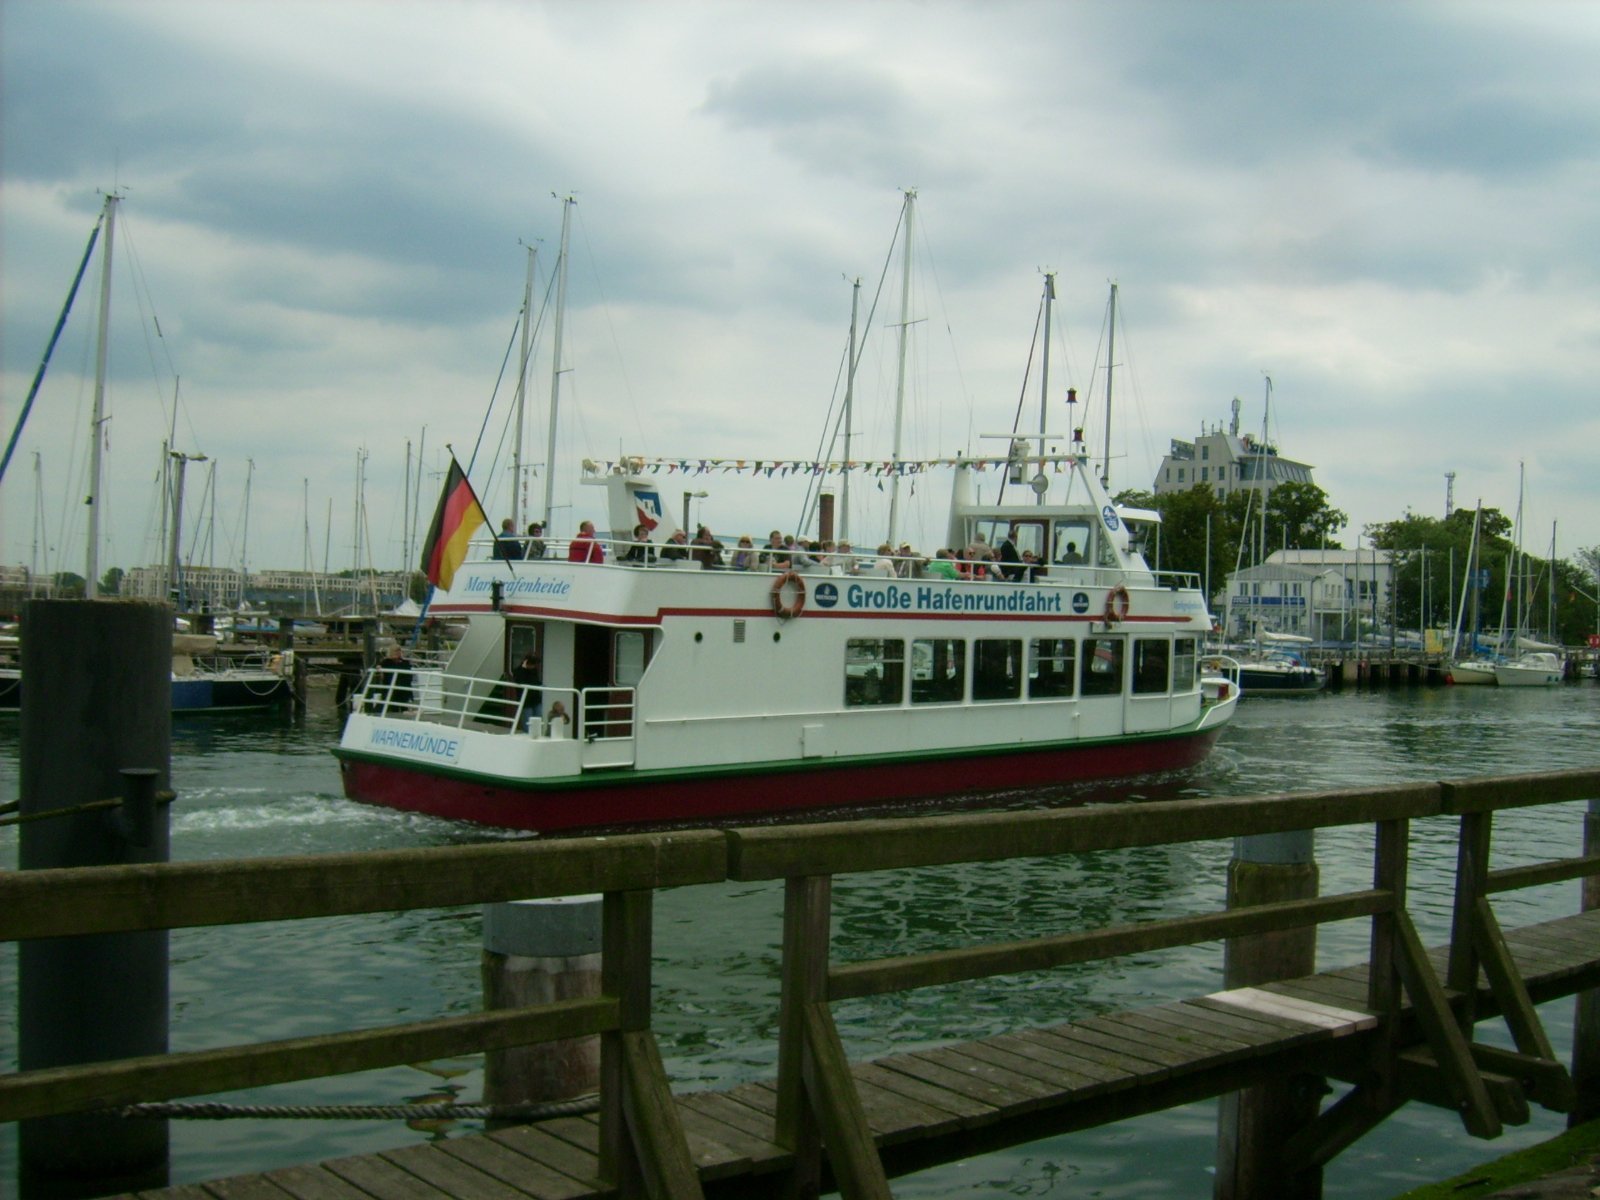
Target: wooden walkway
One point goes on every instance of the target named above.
(935, 1106)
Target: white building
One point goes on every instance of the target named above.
(1227, 463)
(1325, 595)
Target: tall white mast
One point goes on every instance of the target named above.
(849, 413)
(900, 386)
(1044, 374)
(1111, 365)
(91, 569)
(555, 363)
(522, 394)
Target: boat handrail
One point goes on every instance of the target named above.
(461, 700)
(859, 564)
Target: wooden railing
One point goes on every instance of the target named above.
(642, 1144)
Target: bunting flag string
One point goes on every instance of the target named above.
(783, 468)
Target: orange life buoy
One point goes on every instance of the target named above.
(785, 610)
(1116, 605)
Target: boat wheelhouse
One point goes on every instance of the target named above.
(669, 692)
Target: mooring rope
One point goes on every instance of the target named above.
(365, 1112)
(11, 814)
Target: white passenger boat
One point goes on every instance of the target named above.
(675, 693)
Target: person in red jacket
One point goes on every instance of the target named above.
(584, 548)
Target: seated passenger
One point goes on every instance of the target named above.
(536, 540)
(506, 543)
(706, 551)
(641, 551)
(943, 565)
(584, 548)
(676, 547)
(744, 558)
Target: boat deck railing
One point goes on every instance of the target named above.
(764, 560)
(472, 701)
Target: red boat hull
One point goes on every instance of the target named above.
(605, 800)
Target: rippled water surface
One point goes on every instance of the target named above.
(268, 786)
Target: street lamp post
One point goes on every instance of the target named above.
(687, 496)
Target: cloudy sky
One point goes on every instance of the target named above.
(1390, 209)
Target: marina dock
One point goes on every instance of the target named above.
(1399, 1028)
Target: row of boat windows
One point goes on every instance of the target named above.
(880, 671)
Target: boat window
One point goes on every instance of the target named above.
(1071, 542)
(874, 671)
(1152, 658)
(1102, 666)
(1050, 668)
(630, 653)
(938, 670)
(996, 669)
(1183, 665)
(522, 639)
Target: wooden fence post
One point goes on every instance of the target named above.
(1253, 1125)
(98, 704)
(1586, 1017)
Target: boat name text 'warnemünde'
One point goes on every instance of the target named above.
(423, 745)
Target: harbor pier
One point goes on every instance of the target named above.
(1399, 1028)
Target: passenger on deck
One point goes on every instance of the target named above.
(744, 558)
(943, 565)
(1071, 555)
(528, 674)
(394, 678)
(1032, 569)
(536, 540)
(641, 551)
(848, 563)
(706, 551)
(1010, 562)
(774, 555)
(584, 548)
(883, 565)
(676, 547)
(507, 544)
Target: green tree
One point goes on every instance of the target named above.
(1299, 518)
(111, 582)
(68, 585)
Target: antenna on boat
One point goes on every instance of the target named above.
(91, 569)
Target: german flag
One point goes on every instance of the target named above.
(457, 518)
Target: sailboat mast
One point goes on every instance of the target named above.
(91, 569)
(1044, 373)
(849, 412)
(1111, 369)
(900, 385)
(555, 364)
(522, 395)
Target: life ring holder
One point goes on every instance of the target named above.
(781, 608)
(1116, 605)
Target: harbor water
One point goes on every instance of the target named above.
(251, 786)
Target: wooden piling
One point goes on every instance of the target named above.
(98, 703)
(1253, 1125)
(540, 952)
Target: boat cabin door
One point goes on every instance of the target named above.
(607, 666)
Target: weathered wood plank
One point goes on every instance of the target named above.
(894, 1117)
(1005, 1100)
(1240, 1030)
(1083, 1077)
(202, 1072)
(841, 848)
(1337, 1021)
(246, 1187)
(542, 1146)
(450, 1175)
(516, 1170)
(180, 895)
(970, 1111)
(729, 1111)
(314, 1183)
(381, 1178)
